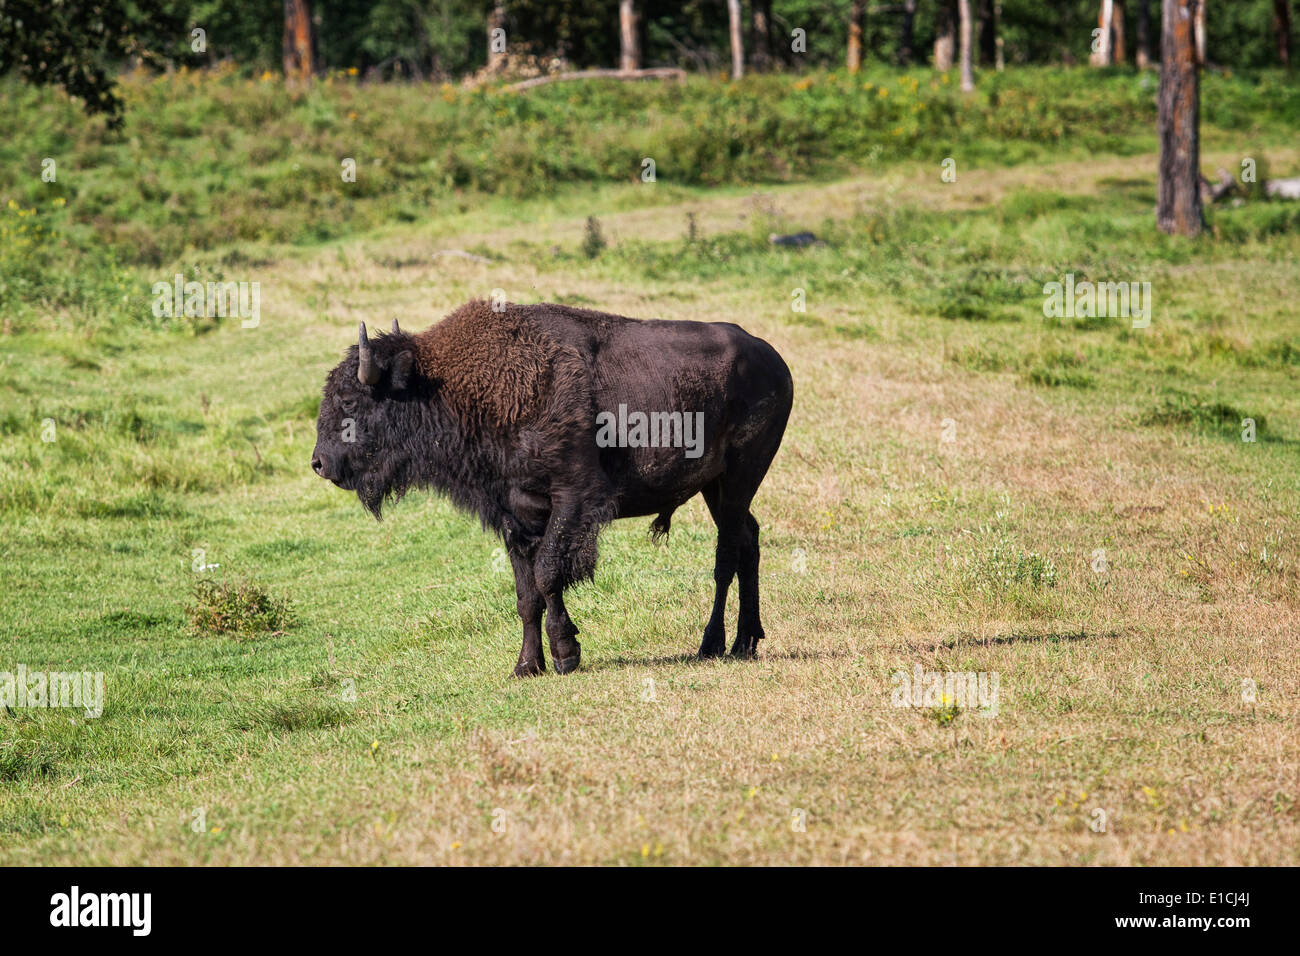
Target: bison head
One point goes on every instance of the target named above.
(360, 428)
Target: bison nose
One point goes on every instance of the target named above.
(318, 466)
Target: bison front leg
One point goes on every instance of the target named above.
(561, 633)
(566, 555)
(530, 605)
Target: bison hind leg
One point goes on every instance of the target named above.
(749, 627)
(725, 560)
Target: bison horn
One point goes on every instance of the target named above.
(396, 330)
(367, 371)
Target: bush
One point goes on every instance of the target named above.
(240, 607)
(1195, 413)
(1003, 567)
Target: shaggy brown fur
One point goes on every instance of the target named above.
(496, 367)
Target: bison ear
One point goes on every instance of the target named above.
(401, 372)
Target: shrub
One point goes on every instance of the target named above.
(238, 607)
(1003, 567)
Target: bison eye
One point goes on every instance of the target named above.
(348, 404)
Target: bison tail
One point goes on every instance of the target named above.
(660, 527)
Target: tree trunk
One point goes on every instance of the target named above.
(857, 12)
(762, 57)
(997, 17)
(299, 41)
(945, 35)
(629, 48)
(1118, 53)
(907, 40)
(737, 43)
(967, 66)
(1144, 35)
(1282, 27)
(1101, 55)
(988, 33)
(1199, 21)
(1179, 207)
(496, 50)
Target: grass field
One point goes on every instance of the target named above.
(965, 485)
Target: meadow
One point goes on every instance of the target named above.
(966, 484)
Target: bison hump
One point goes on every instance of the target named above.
(501, 369)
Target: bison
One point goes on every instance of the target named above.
(548, 422)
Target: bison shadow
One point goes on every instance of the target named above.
(1024, 637)
(794, 654)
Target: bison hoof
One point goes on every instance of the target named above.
(530, 668)
(745, 647)
(714, 645)
(566, 665)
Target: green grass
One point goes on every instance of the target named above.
(377, 723)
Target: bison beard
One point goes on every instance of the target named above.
(386, 478)
(498, 411)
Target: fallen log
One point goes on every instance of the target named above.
(1273, 188)
(658, 73)
(798, 240)
(1283, 188)
(1213, 192)
(460, 254)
